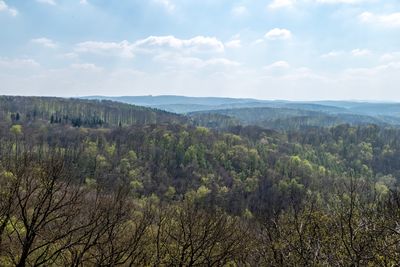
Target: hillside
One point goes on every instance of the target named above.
(79, 112)
(100, 183)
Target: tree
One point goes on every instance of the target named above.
(191, 236)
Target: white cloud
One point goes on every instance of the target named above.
(208, 78)
(277, 65)
(83, 2)
(167, 4)
(44, 42)
(222, 62)
(126, 72)
(332, 54)
(196, 44)
(152, 44)
(389, 57)
(386, 20)
(278, 34)
(283, 71)
(342, 1)
(86, 67)
(361, 73)
(234, 44)
(355, 53)
(18, 63)
(275, 4)
(123, 49)
(177, 60)
(303, 73)
(258, 41)
(4, 7)
(68, 56)
(240, 11)
(48, 2)
(360, 52)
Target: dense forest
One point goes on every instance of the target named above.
(101, 183)
(80, 112)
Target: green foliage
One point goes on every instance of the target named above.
(309, 197)
(16, 130)
(202, 192)
(90, 182)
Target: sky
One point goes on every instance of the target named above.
(271, 49)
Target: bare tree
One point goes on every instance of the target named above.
(45, 203)
(192, 236)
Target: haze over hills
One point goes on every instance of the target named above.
(274, 114)
(184, 104)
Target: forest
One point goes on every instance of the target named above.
(102, 183)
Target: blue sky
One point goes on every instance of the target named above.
(272, 49)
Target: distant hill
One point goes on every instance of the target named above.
(218, 112)
(173, 100)
(368, 108)
(293, 119)
(183, 105)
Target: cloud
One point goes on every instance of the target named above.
(4, 7)
(83, 2)
(126, 72)
(373, 71)
(240, 11)
(360, 52)
(122, 49)
(167, 4)
(332, 54)
(126, 49)
(86, 67)
(196, 44)
(176, 60)
(275, 4)
(257, 42)
(389, 57)
(215, 76)
(386, 20)
(222, 62)
(68, 56)
(355, 53)
(44, 42)
(18, 63)
(278, 34)
(277, 65)
(283, 71)
(304, 73)
(48, 2)
(233, 44)
(342, 1)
